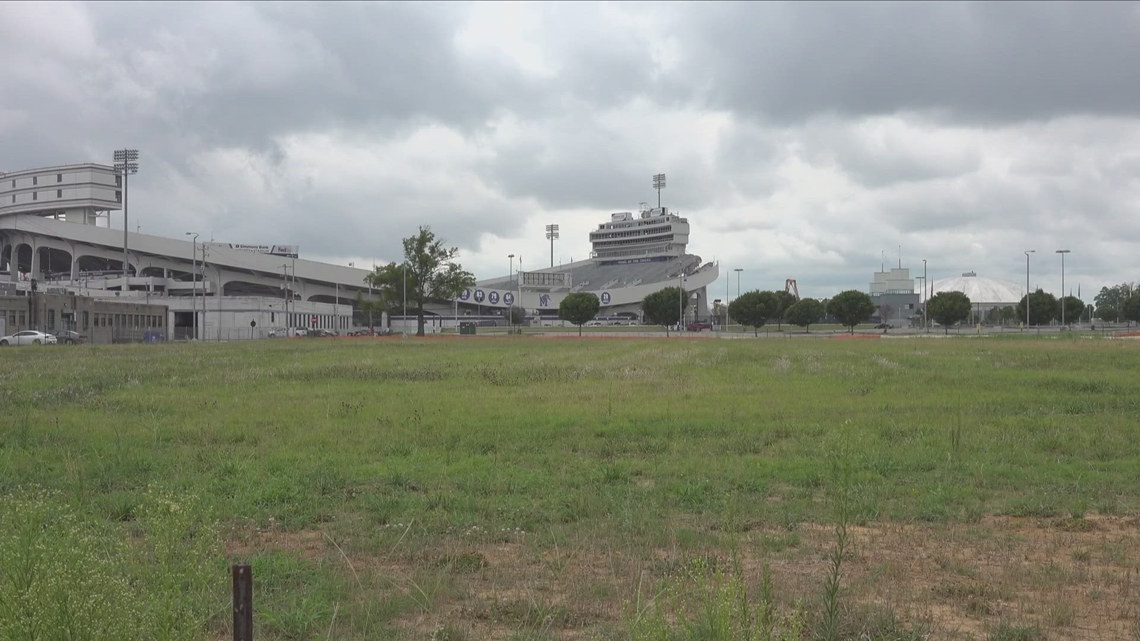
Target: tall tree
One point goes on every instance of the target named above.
(851, 308)
(428, 274)
(786, 300)
(579, 308)
(804, 312)
(1074, 308)
(1112, 300)
(948, 308)
(1043, 308)
(664, 307)
(754, 309)
(387, 282)
(1107, 313)
(1132, 309)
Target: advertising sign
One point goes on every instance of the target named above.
(286, 251)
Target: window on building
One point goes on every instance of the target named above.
(85, 318)
(59, 193)
(59, 178)
(118, 196)
(35, 195)
(51, 318)
(35, 180)
(118, 181)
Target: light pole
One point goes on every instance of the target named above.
(285, 297)
(510, 281)
(404, 321)
(1062, 252)
(925, 284)
(1027, 253)
(202, 266)
(737, 270)
(680, 299)
(194, 283)
(552, 234)
(126, 163)
(659, 184)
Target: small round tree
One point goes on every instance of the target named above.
(804, 312)
(786, 299)
(664, 307)
(948, 308)
(851, 308)
(754, 309)
(1043, 308)
(579, 308)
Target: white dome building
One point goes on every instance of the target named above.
(987, 292)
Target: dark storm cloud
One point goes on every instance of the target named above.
(997, 61)
(816, 131)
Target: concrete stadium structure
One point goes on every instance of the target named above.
(633, 256)
(55, 235)
(54, 230)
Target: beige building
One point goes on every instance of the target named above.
(97, 320)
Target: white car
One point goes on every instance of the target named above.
(28, 337)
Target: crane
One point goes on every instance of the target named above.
(791, 288)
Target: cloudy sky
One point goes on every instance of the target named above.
(802, 140)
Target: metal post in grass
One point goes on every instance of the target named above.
(243, 602)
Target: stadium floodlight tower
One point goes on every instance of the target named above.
(659, 184)
(126, 163)
(552, 235)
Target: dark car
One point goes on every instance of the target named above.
(884, 326)
(698, 326)
(69, 337)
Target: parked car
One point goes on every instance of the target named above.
(884, 326)
(28, 337)
(698, 326)
(69, 337)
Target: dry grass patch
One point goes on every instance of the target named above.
(956, 581)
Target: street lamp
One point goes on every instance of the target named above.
(552, 234)
(1062, 252)
(925, 285)
(285, 296)
(737, 270)
(1027, 253)
(194, 283)
(404, 321)
(126, 163)
(510, 280)
(681, 300)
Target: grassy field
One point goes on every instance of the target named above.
(555, 488)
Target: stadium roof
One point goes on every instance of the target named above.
(981, 290)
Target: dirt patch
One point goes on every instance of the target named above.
(1071, 578)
